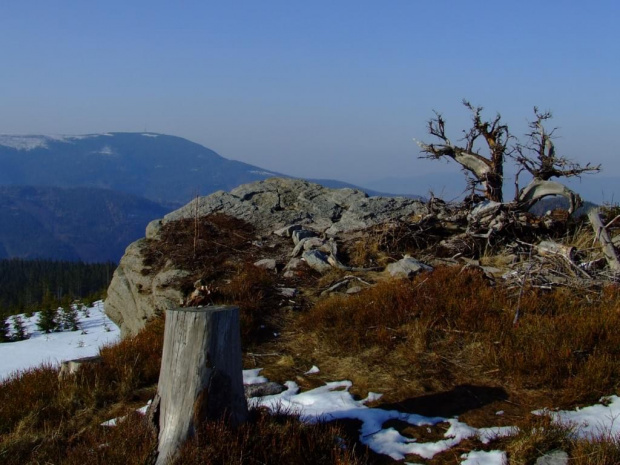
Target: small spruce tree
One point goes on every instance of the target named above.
(19, 330)
(5, 331)
(85, 310)
(69, 318)
(48, 320)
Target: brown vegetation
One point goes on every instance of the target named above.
(454, 326)
(444, 343)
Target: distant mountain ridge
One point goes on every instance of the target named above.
(166, 169)
(91, 195)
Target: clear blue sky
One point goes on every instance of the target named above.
(332, 89)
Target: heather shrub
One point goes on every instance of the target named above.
(455, 325)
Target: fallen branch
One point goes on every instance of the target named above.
(603, 236)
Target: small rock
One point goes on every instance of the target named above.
(269, 388)
(300, 234)
(266, 263)
(293, 264)
(308, 243)
(288, 292)
(286, 231)
(299, 247)
(317, 260)
(70, 367)
(354, 290)
(407, 267)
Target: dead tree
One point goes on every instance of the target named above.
(201, 375)
(538, 157)
(488, 171)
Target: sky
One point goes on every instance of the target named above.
(316, 89)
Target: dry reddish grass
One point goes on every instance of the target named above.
(441, 340)
(452, 326)
(271, 438)
(41, 416)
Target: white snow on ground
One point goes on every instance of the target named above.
(478, 457)
(333, 401)
(313, 370)
(330, 402)
(94, 332)
(597, 420)
(253, 377)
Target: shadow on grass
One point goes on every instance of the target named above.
(455, 402)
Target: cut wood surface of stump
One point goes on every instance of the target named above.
(201, 375)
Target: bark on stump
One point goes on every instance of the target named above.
(201, 375)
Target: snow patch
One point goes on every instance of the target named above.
(480, 457)
(591, 422)
(106, 150)
(95, 331)
(313, 370)
(253, 377)
(27, 142)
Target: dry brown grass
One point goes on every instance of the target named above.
(278, 438)
(443, 339)
(41, 416)
(452, 326)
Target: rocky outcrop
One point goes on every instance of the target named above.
(288, 207)
(135, 296)
(278, 203)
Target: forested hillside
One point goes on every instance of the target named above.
(25, 285)
(166, 169)
(87, 224)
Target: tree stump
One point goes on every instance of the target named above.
(201, 375)
(71, 367)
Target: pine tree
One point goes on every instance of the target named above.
(48, 320)
(19, 330)
(85, 311)
(69, 318)
(5, 331)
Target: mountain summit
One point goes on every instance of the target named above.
(166, 169)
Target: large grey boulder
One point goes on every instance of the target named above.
(137, 293)
(280, 202)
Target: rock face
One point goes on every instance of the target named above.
(134, 297)
(278, 203)
(285, 206)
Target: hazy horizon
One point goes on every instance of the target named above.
(318, 90)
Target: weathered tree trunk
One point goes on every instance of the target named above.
(201, 375)
(605, 240)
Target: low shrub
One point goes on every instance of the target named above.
(453, 325)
